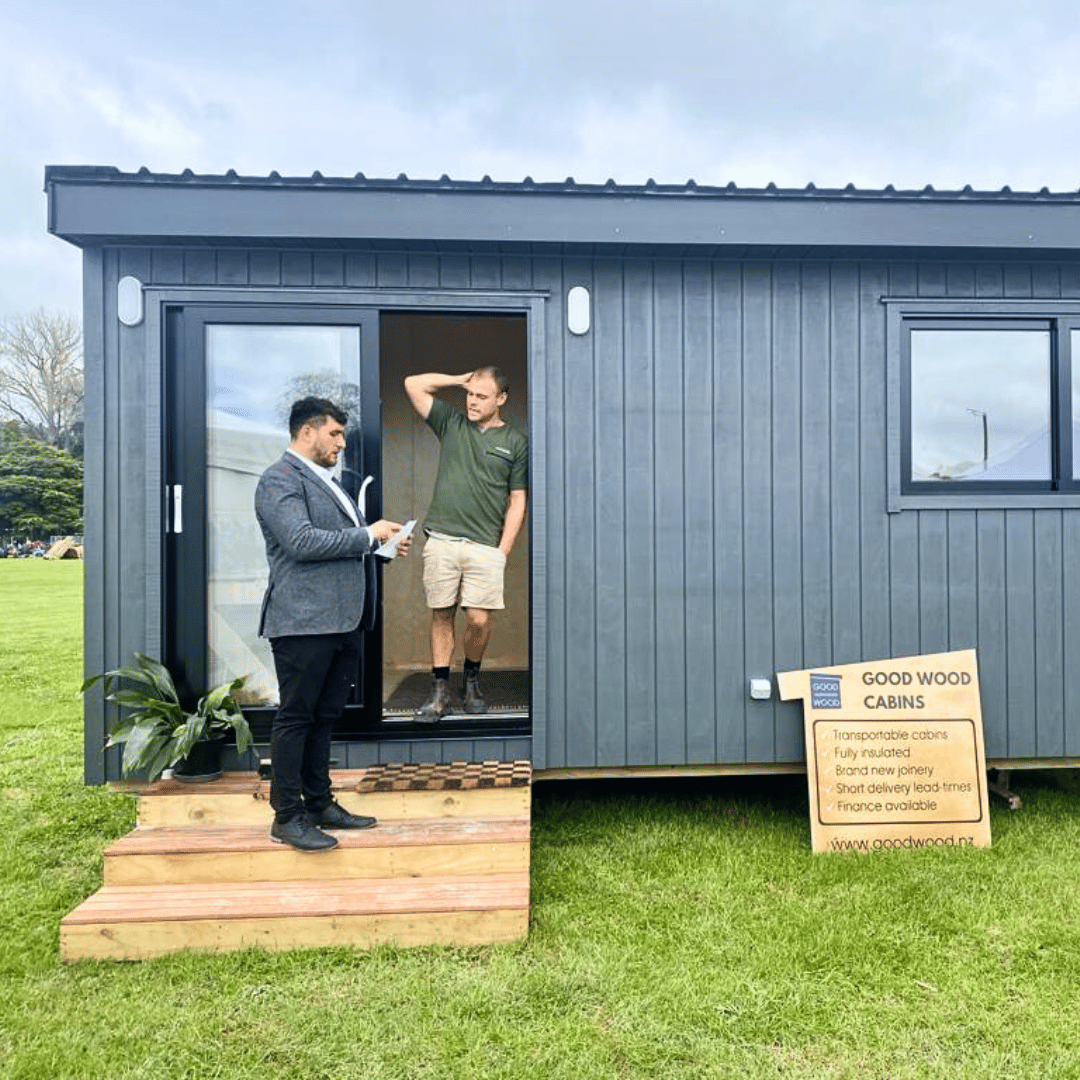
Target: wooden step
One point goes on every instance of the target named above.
(139, 921)
(437, 847)
(399, 791)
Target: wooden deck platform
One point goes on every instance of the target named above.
(448, 863)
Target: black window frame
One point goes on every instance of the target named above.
(905, 314)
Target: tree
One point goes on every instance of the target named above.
(40, 487)
(324, 384)
(41, 377)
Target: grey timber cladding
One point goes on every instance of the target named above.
(716, 501)
(709, 498)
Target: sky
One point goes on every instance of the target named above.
(869, 92)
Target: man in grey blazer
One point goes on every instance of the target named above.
(319, 600)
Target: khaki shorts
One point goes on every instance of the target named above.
(463, 573)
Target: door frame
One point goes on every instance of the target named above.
(257, 302)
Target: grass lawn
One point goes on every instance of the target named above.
(678, 931)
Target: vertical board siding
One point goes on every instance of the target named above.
(1020, 632)
(729, 599)
(1070, 644)
(200, 267)
(845, 423)
(873, 522)
(297, 268)
(757, 524)
(990, 598)
(789, 557)
(328, 269)
(669, 534)
(639, 477)
(786, 436)
(232, 267)
(933, 601)
(1050, 657)
(962, 560)
(561, 714)
(698, 467)
(578, 485)
(712, 463)
(614, 514)
(816, 561)
(97, 649)
(264, 267)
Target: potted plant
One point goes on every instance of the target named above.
(158, 733)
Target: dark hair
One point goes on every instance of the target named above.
(314, 411)
(497, 375)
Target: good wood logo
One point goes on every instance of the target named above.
(894, 753)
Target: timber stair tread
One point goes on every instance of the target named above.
(487, 790)
(300, 899)
(417, 832)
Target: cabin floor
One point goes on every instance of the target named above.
(505, 691)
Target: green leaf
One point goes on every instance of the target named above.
(142, 746)
(188, 735)
(165, 757)
(218, 697)
(243, 733)
(159, 677)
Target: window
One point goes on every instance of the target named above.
(988, 405)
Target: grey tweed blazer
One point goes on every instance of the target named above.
(322, 580)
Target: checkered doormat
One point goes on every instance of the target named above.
(457, 776)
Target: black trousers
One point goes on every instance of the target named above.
(315, 674)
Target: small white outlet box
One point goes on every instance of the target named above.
(761, 689)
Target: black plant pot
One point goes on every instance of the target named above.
(202, 764)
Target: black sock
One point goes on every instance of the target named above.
(441, 672)
(472, 667)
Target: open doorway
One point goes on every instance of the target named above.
(410, 343)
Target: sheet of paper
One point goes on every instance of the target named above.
(389, 549)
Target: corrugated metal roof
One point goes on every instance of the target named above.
(569, 186)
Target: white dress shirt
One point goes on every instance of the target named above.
(342, 496)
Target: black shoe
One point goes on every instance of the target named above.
(336, 816)
(474, 700)
(436, 706)
(298, 832)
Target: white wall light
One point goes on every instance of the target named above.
(129, 301)
(577, 310)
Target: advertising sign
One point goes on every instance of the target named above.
(894, 753)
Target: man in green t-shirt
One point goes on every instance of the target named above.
(475, 516)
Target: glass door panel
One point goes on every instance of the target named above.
(233, 374)
(253, 375)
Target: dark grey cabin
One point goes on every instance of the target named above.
(769, 430)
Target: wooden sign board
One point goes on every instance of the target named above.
(894, 753)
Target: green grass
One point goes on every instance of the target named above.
(679, 930)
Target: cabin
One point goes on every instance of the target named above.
(769, 430)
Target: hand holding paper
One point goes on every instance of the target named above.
(401, 540)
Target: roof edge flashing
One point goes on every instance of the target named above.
(88, 204)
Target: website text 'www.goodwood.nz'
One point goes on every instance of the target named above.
(879, 843)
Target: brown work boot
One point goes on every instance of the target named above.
(436, 706)
(474, 700)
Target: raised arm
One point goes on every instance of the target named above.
(422, 388)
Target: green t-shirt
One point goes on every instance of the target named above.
(477, 471)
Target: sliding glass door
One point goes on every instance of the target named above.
(233, 374)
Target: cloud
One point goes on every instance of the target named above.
(910, 92)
